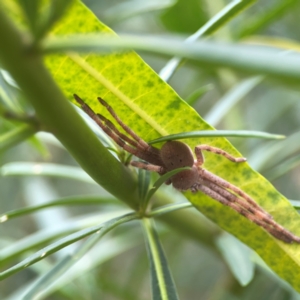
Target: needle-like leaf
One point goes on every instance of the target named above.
(163, 287)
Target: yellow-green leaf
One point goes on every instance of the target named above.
(153, 109)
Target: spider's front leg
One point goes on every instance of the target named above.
(200, 158)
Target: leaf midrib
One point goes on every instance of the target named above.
(110, 86)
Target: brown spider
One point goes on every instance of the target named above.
(175, 154)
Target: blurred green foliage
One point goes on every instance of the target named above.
(121, 270)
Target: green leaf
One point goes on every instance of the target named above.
(283, 168)
(44, 169)
(30, 10)
(168, 208)
(231, 98)
(40, 16)
(252, 60)
(184, 16)
(262, 19)
(42, 237)
(295, 203)
(69, 260)
(163, 287)
(197, 94)
(72, 238)
(82, 200)
(238, 258)
(37, 240)
(144, 178)
(218, 21)
(262, 158)
(217, 133)
(153, 109)
(51, 15)
(102, 252)
(128, 9)
(16, 136)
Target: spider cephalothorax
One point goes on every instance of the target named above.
(174, 155)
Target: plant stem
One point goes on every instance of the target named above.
(59, 117)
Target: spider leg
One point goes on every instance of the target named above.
(283, 235)
(234, 198)
(140, 141)
(200, 158)
(151, 154)
(109, 131)
(199, 155)
(145, 151)
(148, 167)
(113, 128)
(263, 217)
(225, 184)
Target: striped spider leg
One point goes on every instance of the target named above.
(175, 154)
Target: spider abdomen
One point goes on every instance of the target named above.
(185, 180)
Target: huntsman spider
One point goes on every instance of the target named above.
(175, 154)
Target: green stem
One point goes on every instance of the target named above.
(15, 136)
(59, 117)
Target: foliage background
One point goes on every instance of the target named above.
(266, 107)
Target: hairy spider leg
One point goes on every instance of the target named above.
(140, 141)
(124, 137)
(218, 151)
(234, 198)
(266, 222)
(225, 184)
(146, 151)
(218, 180)
(103, 122)
(151, 154)
(288, 238)
(148, 167)
(105, 128)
